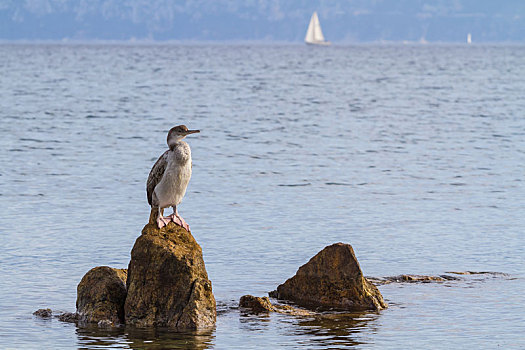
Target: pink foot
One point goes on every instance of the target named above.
(163, 221)
(180, 221)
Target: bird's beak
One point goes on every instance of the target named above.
(192, 132)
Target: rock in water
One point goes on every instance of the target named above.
(167, 282)
(101, 295)
(332, 278)
(44, 313)
(256, 304)
(68, 317)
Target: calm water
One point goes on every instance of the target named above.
(415, 155)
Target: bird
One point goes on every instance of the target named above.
(169, 177)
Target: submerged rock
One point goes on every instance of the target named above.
(68, 317)
(290, 310)
(64, 316)
(258, 305)
(411, 279)
(167, 281)
(44, 313)
(408, 278)
(492, 273)
(332, 278)
(101, 295)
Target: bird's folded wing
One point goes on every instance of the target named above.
(155, 175)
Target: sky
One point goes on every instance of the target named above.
(343, 21)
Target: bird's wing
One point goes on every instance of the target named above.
(155, 175)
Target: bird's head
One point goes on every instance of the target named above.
(177, 133)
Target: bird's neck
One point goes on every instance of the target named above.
(173, 141)
(174, 145)
(180, 152)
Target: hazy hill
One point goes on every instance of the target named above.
(282, 20)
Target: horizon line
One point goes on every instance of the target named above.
(146, 41)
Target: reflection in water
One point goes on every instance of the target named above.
(257, 322)
(324, 330)
(138, 338)
(336, 330)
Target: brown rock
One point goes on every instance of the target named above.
(101, 295)
(332, 278)
(493, 273)
(290, 310)
(105, 323)
(418, 278)
(411, 279)
(44, 313)
(167, 281)
(259, 305)
(256, 304)
(68, 317)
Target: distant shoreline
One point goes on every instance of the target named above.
(247, 42)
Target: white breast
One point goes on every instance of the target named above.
(172, 187)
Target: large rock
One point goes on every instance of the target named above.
(101, 295)
(167, 282)
(332, 278)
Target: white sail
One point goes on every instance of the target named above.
(314, 34)
(309, 38)
(318, 33)
(469, 38)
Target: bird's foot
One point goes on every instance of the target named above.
(163, 221)
(177, 219)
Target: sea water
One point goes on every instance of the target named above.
(415, 155)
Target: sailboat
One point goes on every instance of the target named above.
(314, 34)
(469, 38)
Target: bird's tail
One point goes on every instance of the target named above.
(153, 215)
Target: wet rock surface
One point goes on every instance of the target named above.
(408, 278)
(290, 310)
(256, 305)
(167, 281)
(68, 317)
(43, 313)
(490, 273)
(101, 295)
(332, 278)
(105, 324)
(411, 279)
(62, 316)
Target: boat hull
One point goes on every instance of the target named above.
(318, 43)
